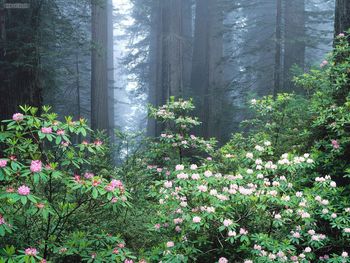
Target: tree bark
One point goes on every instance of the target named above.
(167, 54)
(110, 67)
(207, 78)
(294, 41)
(342, 16)
(99, 74)
(20, 58)
(278, 49)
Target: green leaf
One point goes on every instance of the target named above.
(24, 200)
(94, 193)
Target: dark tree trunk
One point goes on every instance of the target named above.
(207, 78)
(20, 60)
(278, 50)
(294, 41)
(99, 74)
(167, 54)
(342, 16)
(110, 66)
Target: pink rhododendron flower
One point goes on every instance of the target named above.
(23, 190)
(77, 178)
(193, 167)
(128, 261)
(40, 205)
(60, 132)
(223, 260)
(88, 175)
(10, 190)
(227, 222)
(36, 166)
(182, 176)
(2, 220)
(17, 117)
(96, 183)
(3, 163)
(324, 63)
(168, 184)
(63, 250)
(65, 144)
(202, 188)
(335, 144)
(46, 130)
(31, 251)
(179, 167)
(232, 233)
(195, 176)
(116, 183)
(243, 231)
(196, 219)
(341, 35)
(121, 245)
(170, 244)
(208, 173)
(114, 200)
(98, 143)
(115, 251)
(109, 188)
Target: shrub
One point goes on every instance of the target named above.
(56, 202)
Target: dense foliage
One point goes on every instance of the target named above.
(277, 193)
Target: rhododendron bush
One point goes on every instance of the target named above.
(55, 204)
(247, 204)
(278, 192)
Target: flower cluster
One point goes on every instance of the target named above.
(194, 199)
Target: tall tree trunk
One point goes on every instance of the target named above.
(278, 49)
(342, 16)
(167, 59)
(20, 58)
(207, 78)
(110, 67)
(294, 41)
(154, 90)
(99, 74)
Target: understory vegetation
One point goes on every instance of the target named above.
(279, 192)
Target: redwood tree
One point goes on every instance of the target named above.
(170, 27)
(342, 16)
(294, 40)
(99, 74)
(207, 78)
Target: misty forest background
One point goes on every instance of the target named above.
(264, 177)
(106, 60)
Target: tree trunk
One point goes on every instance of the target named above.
(167, 56)
(110, 66)
(294, 41)
(20, 58)
(342, 16)
(278, 50)
(99, 74)
(207, 78)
